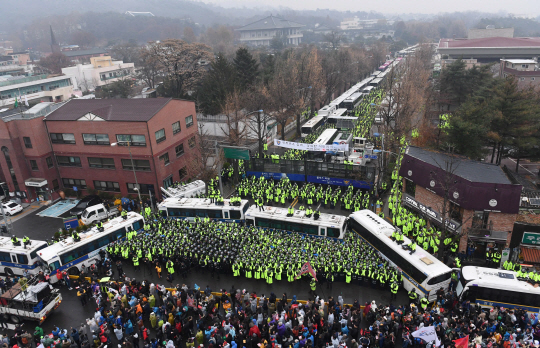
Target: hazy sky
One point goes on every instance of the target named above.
(526, 7)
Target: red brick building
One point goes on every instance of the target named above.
(481, 202)
(71, 146)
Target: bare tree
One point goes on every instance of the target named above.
(309, 82)
(207, 162)
(256, 99)
(150, 67)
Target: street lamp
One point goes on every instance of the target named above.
(132, 167)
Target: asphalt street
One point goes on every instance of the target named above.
(36, 227)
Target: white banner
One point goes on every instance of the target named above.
(427, 333)
(310, 147)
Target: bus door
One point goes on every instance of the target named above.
(322, 231)
(226, 214)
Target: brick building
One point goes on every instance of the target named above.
(71, 146)
(481, 202)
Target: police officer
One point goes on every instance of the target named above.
(15, 240)
(313, 287)
(394, 289)
(26, 241)
(413, 296)
(424, 303)
(123, 214)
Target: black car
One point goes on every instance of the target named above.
(87, 201)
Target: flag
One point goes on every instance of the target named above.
(306, 268)
(26, 100)
(462, 342)
(16, 103)
(427, 333)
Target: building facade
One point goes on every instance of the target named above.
(83, 56)
(524, 70)
(72, 147)
(100, 72)
(490, 49)
(261, 32)
(481, 202)
(39, 88)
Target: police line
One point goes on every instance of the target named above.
(310, 147)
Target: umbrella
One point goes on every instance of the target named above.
(106, 279)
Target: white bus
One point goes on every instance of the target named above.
(376, 82)
(312, 125)
(327, 225)
(490, 287)
(189, 190)
(190, 208)
(352, 101)
(326, 138)
(326, 110)
(421, 270)
(70, 255)
(367, 90)
(14, 259)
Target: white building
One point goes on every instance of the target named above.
(101, 71)
(261, 32)
(216, 125)
(39, 88)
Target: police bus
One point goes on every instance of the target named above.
(188, 190)
(71, 255)
(14, 259)
(190, 208)
(422, 272)
(312, 125)
(490, 287)
(326, 138)
(326, 225)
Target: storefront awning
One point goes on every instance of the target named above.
(35, 182)
(530, 255)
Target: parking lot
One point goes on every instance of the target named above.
(28, 223)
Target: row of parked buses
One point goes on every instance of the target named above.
(343, 106)
(421, 271)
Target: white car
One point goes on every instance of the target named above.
(12, 208)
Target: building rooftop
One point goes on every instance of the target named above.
(490, 42)
(140, 14)
(88, 52)
(520, 61)
(271, 22)
(473, 171)
(120, 110)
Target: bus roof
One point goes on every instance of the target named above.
(67, 244)
(198, 203)
(353, 96)
(7, 246)
(495, 277)
(421, 259)
(362, 83)
(313, 121)
(184, 190)
(326, 136)
(269, 212)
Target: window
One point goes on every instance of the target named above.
(456, 212)
(92, 246)
(69, 183)
(167, 182)
(182, 172)
(189, 121)
(145, 188)
(106, 186)
(68, 161)
(62, 138)
(480, 219)
(55, 184)
(410, 188)
(522, 79)
(22, 259)
(191, 142)
(160, 135)
(532, 78)
(165, 158)
(50, 163)
(96, 139)
(142, 165)
(179, 150)
(134, 139)
(7, 156)
(96, 162)
(176, 128)
(27, 142)
(33, 165)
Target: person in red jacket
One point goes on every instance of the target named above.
(254, 330)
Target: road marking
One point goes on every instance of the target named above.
(294, 202)
(521, 166)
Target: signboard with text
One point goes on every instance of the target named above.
(531, 238)
(430, 213)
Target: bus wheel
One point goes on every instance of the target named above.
(73, 271)
(9, 271)
(5, 317)
(14, 319)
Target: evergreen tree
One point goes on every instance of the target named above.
(216, 86)
(247, 68)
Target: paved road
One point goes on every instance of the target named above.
(36, 227)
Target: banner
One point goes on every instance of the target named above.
(462, 342)
(306, 268)
(427, 333)
(310, 147)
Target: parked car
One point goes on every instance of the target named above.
(84, 203)
(12, 208)
(98, 212)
